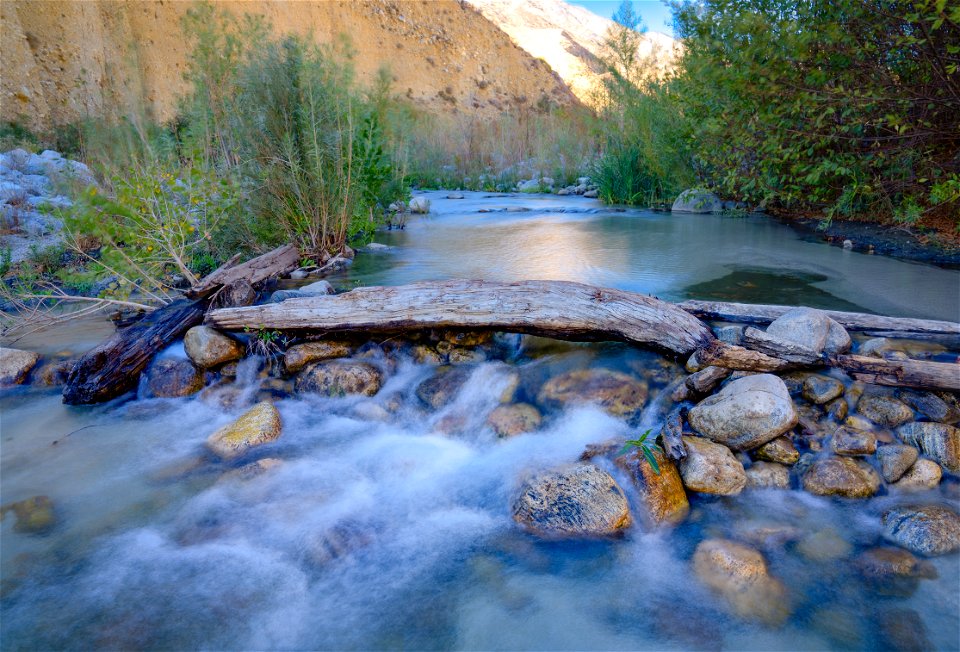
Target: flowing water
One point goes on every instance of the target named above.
(378, 530)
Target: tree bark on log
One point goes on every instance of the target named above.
(877, 325)
(114, 366)
(730, 356)
(671, 436)
(558, 309)
(256, 270)
(919, 374)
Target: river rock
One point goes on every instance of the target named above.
(617, 393)
(850, 442)
(711, 468)
(173, 378)
(34, 515)
(15, 365)
(893, 571)
(924, 474)
(837, 409)
(938, 440)
(746, 413)
(460, 355)
(515, 419)
(838, 339)
(576, 501)
(337, 378)
(300, 355)
(804, 326)
(902, 630)
(321, 288)
(423, 354)
(739, 574)
(924, 529)
(697, 201)
(780, 450)
(841, 476)
(768, 475)
(661, 494)
(821, 389)
(824, 546)
(211, 348)
(729, 334)
(258, 425)
(419, 205)
(931, 406)
(884, 410)
(895, 459)
(468, 338)
(53, 373)
(440, 388)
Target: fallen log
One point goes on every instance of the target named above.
(876, 325)
(114, 366)
(730, 356)
(256, 270)
(671, 435)
(920, 374)
(558, 309)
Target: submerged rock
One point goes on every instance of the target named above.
(617, 393)
(738, 573)
(515, 419)
(924, 529)
(259, 425)
(938, 440)
(300, 355)
(337, 378)
(15, 365)
(932, 406)
(211, 348)
(884, 410)
(768, 475)
(53, 373)
(895, 459)
(443, 386)
(780, 450)
(711, 468)
(576, 501)
(824, 546)
(893, 571)
(821, 389)
(841, 476)
(846, 441)
(173, 378)
(34, 515)
(746, 413)
(662, 494)
(924, 474)
(902, 630)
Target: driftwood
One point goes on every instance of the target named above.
(877, 325)
(730, 356)
(552, 308)
(113, 367)
(699, 383)
(919, 374)
(256, 270)
(671, 435)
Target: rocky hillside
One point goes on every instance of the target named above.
(570, 39)
(67, 59)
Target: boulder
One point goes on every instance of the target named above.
(576, 501)
(661, 494)
(300, 355)
(443, 386)
(780, 450)
(514, 419)
(257, 426)
(211, 348)
(895, 459)
(711, 468)
(884, 410)
(821, 389)
(337, 378)
(807, 327)
(850, 442)
(34, 515)
(841, 476)
(15, 365)
(938, 440)
(173, 378)
(768, 475)
(697, 201)
(924, 529)
(838, 339)
(924, 474)
(746, 413)
(420, 205)
(617, 393)
(738, 573)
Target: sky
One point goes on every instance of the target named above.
(655, 14)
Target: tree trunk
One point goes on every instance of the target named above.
(920, 374)
(552, 308)
(731, 356)
(256, 270)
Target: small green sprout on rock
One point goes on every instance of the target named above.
(645, 448)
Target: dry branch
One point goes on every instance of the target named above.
(256, 270)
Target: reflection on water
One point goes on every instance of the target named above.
(750, 285)
(671, 256)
